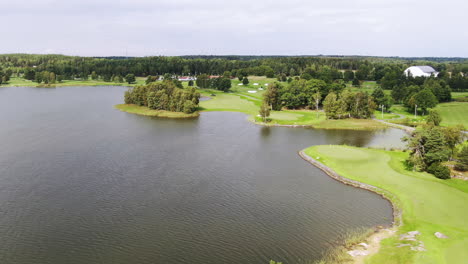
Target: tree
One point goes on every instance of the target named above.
(425, 99)
(348, 75)
(151, 79)
(331, 106)
(363, 73)
(269, 73)
(272, 96)
(399, 93)
(356, 82)
(29, 74)
(379, 96)
(107, 77)
(190, 83)
(264, 111)
(439, 171)
(52, 77)
(462, 159)
(94, 76)
(317, 97)
(203, 81)
(130, 78)
(439, 88)
(434, 118)
(245, 81)
(189, 107)
(224, 84)
(427, 146)
(453, 135)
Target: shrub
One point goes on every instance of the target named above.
(439, 171)
(462, 162)
(434, 118)
(189, 107)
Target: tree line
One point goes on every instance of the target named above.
(337, 101)
(318, 67)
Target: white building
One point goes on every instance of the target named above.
(421, 71)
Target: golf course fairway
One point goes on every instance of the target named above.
(428, 205)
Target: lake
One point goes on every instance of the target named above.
(81, 182)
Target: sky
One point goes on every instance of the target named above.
(242, 27)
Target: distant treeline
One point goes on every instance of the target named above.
(384, 70)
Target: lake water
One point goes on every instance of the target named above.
(81, 182)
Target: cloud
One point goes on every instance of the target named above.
(176, 27)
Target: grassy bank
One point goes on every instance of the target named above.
(428, 204)
(142, 110)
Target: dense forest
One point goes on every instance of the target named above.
(301, 77)
(363, 68)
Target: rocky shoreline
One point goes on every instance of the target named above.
(359, 252)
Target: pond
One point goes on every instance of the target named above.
(81, 182)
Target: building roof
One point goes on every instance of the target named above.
(426, 69)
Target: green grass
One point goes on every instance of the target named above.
(459, 94)
(386, 116)
(228, 102)
(142, 110)
(428, 204)
(453, 113)
(294, 117)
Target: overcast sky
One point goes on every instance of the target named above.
(248, 27)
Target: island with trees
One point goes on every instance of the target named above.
(163, 99)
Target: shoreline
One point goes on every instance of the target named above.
(379, 234)
(145, 111)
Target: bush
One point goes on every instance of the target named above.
(189, 107)
(462, 159)
(434, 118)
(439, 171)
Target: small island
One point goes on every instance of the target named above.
(162, 99)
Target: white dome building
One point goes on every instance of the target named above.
(421, 71)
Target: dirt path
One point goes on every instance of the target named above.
(407, 129)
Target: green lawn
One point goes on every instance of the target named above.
(385, 116)
(453, 113)
(428, 204)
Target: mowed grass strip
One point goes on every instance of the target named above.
(428, 204)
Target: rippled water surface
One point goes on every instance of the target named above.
(81, 182)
